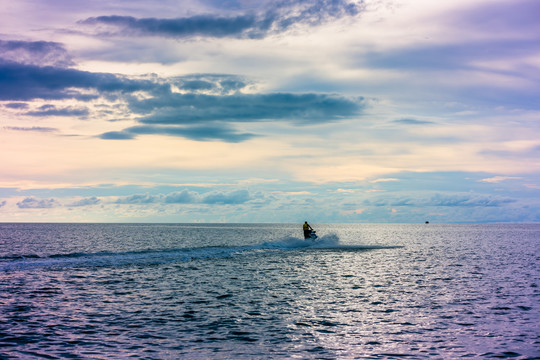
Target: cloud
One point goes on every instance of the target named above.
(383, 180)
(194, 132)
(182, 197)
(139, 199)
(85, 202)
(200, 25)
(16, 105)
(51, 110)
(217, 84)
(276, 17)
(32, 203)
(202, 112)
(27, 82)
(203, 117)
(412, 122)
(175, 108)
(201, 107)
(497, 179)
(189, 197)
(33, 128)
(467, 200)
(118, 135)
(441, 200)
(2, 203)
(42, 53)
(233, 197)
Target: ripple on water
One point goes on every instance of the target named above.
(448, 292)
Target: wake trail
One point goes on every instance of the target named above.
(149, 257)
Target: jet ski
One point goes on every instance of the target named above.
(312, 235)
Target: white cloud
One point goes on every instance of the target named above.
(383, 180)
(497, 179)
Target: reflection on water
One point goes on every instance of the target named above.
(260, 291)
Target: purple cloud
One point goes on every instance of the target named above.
(42, 53)
(17, 106)
(501, 17)
(27, 82)
(32, 203)
(47, 110)
(204, 112)
(278, 17)
(33, 128)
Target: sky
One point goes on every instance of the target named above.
(330, 111)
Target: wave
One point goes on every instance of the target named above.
(148, 257)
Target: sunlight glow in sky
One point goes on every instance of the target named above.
(270, 111)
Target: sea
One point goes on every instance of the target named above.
(260, 291)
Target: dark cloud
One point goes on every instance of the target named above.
(216, 84)
(32, 203)
(2, 203)
(17, 106)
(200, 25)
(205, 109)
(85, 202)
(42, 53)
(274, 17)
(33, 128)
(300, 108)
(208, 116)
(26, 82)
(118, 135)
(54, 111)
(197, 85)
(194, 132)
(286, 13)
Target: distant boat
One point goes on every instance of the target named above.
(427, 222)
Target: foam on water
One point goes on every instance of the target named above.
(145, 257)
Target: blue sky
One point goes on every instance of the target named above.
(270, 111)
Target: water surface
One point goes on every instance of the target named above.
(154, 291)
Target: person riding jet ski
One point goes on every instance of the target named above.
(309, 233)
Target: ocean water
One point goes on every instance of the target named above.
(259, 291)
